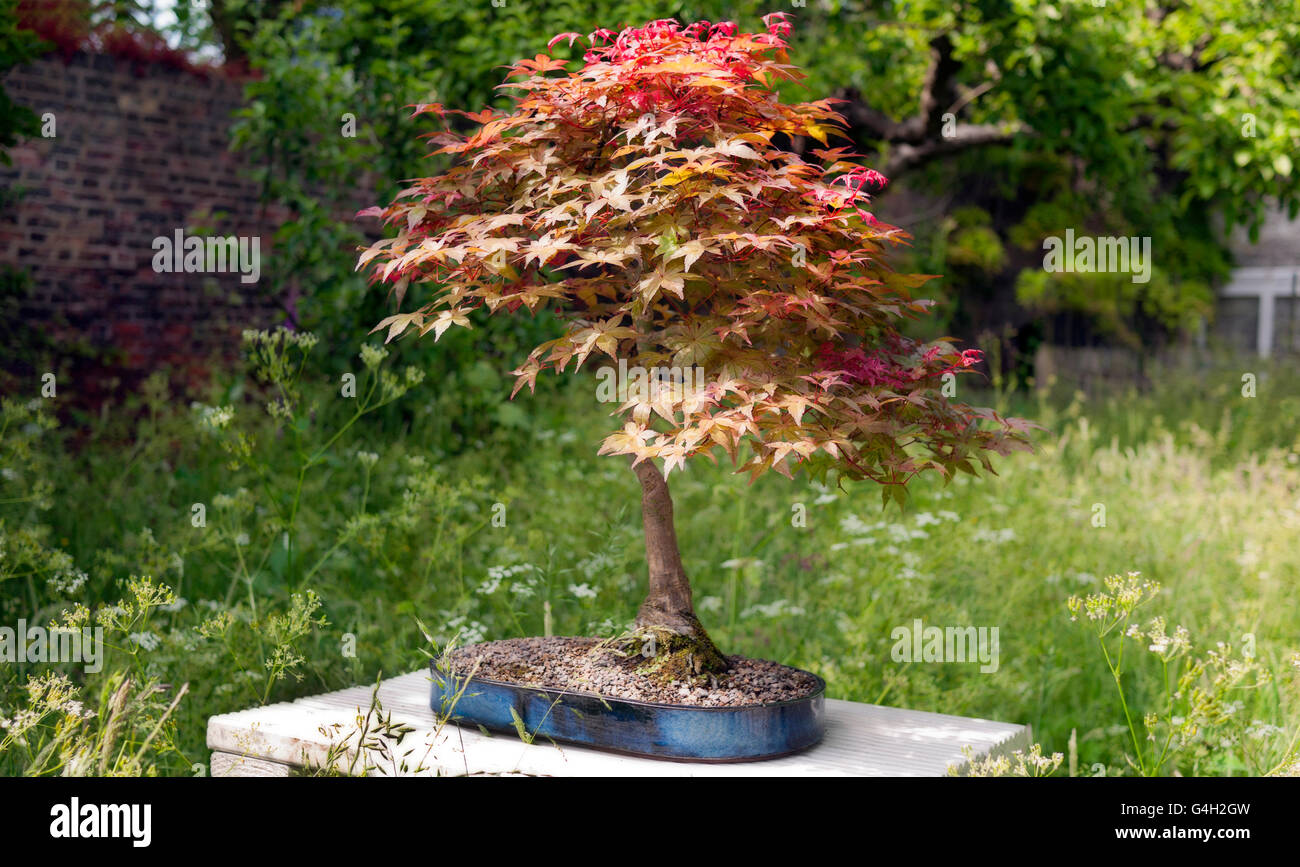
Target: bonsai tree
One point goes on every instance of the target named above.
(651, 198)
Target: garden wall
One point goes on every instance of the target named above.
(138, 151)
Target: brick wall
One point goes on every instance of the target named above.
(138, 153)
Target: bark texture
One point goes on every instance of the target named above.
(668, 607)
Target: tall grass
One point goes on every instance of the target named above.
(331, 536)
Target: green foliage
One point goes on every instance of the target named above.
(1198, 482)
(1157, 119)
(973, 243)
(321, 129)
(1197, 711)
(1160, 118)
(17, 46)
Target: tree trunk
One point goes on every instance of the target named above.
(667, 607)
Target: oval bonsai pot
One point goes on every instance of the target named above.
(657, 730)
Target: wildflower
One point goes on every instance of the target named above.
(772, 610)
(468, 631)
(902, 533)
(145, 640)
(68, 581)
(372, 356)
(279, 409)
(597, 563)
(582, 591)
(213, 418)
(855, 526)
(925, 519)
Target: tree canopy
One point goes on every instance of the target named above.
(641, 197)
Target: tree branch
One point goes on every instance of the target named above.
(920, 138)
(904, 156)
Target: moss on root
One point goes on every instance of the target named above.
(672, 656)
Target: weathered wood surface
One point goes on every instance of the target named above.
(861, 740)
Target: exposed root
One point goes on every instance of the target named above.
(670, 655)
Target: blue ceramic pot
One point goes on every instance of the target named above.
(664, 731)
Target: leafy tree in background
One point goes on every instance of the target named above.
(1159, 118)
(1134, 118)
(1131, 118)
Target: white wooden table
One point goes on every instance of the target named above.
(321, 731)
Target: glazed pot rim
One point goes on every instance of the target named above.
(818, 691)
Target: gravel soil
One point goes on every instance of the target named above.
(577, 665)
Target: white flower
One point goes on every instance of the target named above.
(145, 640)
(508, 571)
(597, 563)
(213, 418)
(68, 581)
(902, 533)
(773, 609)
(367, 459)
(372, 356)
(582, 591)
(855, 526)
(469, 631)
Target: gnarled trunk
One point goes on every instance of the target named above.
(667, 610)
